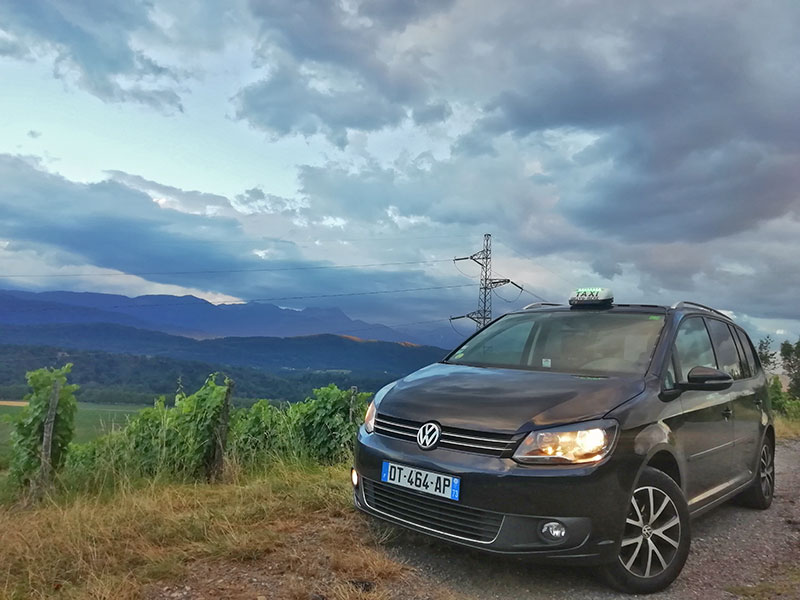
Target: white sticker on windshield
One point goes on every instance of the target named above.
(546, 362)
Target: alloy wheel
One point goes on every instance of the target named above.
(767, 471)
(652, 533)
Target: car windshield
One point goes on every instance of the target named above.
(580, 342)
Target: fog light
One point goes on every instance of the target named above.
(354, 477)
(554, 531)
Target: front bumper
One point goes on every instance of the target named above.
(503, 504)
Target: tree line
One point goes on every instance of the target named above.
(786, 402)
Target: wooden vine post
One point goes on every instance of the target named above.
(221, 435)
(46, 469)
(353, 402)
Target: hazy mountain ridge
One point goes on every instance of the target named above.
(186, 315)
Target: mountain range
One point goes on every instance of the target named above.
(193, 317)
(128, 349)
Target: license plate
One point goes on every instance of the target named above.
(412, 478)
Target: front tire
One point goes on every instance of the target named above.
(656, 538)
(760, 494)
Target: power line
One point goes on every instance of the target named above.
(421, 289)
(219, 271)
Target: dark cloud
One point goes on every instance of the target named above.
(692, 140)
(33, 134)
(327, 71)
(114, 226)
(398, 14)
(109, 224)
(288, 103)
(92, 40)
(432, 113)
(190, 201)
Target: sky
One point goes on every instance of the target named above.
(313, 153)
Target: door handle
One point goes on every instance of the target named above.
(727, 413)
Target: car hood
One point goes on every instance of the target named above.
(503, 400)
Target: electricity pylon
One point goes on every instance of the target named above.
(483, 257)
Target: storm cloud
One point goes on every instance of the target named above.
(650, 147)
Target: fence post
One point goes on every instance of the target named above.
(46, 466)
(221, 434)
(353, 400)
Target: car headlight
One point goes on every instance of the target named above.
(572, 444)
(369, 418)
(372, 409)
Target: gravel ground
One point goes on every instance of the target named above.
(733, 548)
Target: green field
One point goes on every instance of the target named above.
(91, 421)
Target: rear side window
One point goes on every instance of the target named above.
(746, 371)
(693, 346)
(749, 353)
(727, 355)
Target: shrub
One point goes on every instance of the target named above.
(28, 429)
(258, 432)
(328, 422)
(171, 442)
(792, 409)
(778, 398)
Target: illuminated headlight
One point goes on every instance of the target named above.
(372, 409)
(581, 443)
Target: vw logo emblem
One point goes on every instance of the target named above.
(428, 435)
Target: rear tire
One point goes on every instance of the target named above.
(759, 495)
(656, 537)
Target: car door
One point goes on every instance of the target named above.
(748, 410)
(741, 396)
(705, 435)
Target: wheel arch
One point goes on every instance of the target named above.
(769, 434)
(664, 460)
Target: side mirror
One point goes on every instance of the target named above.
(706, 379)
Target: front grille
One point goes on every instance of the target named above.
(491, 444)
(442, 516)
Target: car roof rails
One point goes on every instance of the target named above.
(685, 303)
(540, 304)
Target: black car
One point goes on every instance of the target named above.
(582, 434)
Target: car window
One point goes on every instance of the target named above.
(727, 355)
(506, 346)
(749, 353)
(693, 346)
(746, 370)
(580, 342)
(669, 375)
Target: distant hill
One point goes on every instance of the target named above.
(127, 379)
(267, 353)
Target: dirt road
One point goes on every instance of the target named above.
(736, 552)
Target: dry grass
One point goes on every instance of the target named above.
(286, 534)
(787, 429)
(783, 583)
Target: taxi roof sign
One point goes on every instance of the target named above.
(591, 295)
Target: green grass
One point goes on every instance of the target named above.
(91, 421)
